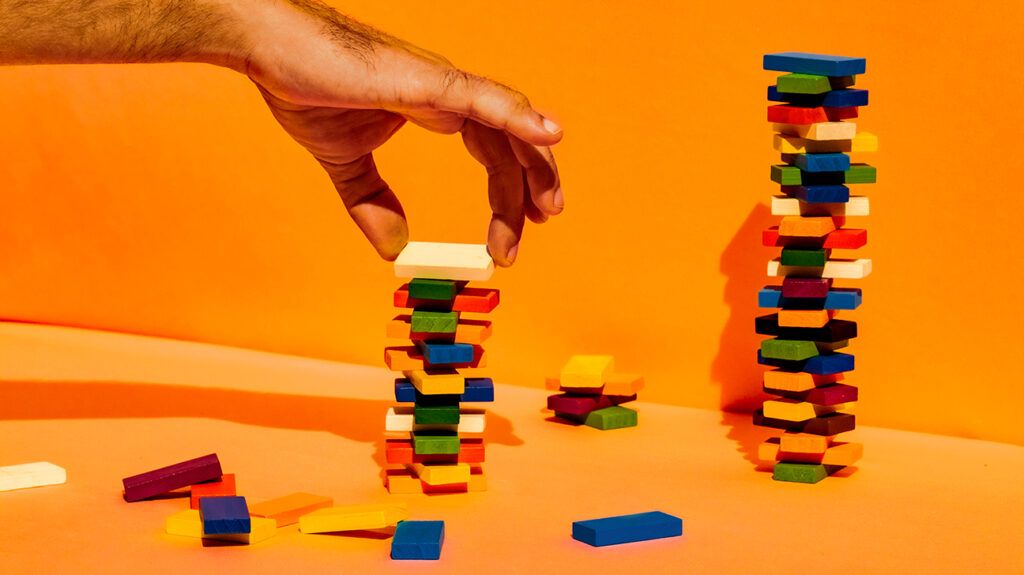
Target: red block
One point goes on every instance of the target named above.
(836, 114)
(222, 488)
(469, 299)
(400, 451)
(784, 114)
(847, 239)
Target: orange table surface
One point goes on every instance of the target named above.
(109, 405)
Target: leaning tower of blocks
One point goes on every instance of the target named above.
(813, 108)
(434, 444)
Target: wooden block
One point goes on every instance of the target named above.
(821, 64)
(28, 475)
(408, 358)
(830, 394)
(224, 515)
(822, 364)
(580, 405)
(441, 473)
(588, 371)
(188, 523)
(440, 322)
(814, 227)
(404, 481)
(617, 384)
(862, 142)
(223, 487)
(353, 518)
(417, 540)
(184, 474)
(627, 528)
(476, 389)
(433, 260)
(843, 454)
(615, 417)
(437, 381)
(798, 287)
(850, 269)
(830, 424)
(435, 290)
(803, 257)
(819, 131)
(786, 175)
(844, 239)
(797, 381)
(861, 174)
(804, 317)
(436, 414)
(835, 99)
(466, 331)
(792, 175)
(799, 472)
(435, 443)
(818, 194)
(286, 510)
(812, 83)
(400, 418)
(429, 448)
(819, 163)
(786, 114)
(836, 114)
(786, 206)
(838, 454)
(469, 299)
(834, 331)
(804, 443)
(443, 354)
(793, 350)
(837, 299)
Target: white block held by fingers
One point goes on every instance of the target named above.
(786, 206)
(820, 131)
(433, 260)
(401, 419)
(836, 269)
(28, 475)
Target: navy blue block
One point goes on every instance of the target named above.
(627, 528)
(825, 364)
(446, 353)
(834, 99)
(833, 162)
(224, 515)
(418, 540)
(819, 64)
(838, 298)
(819, 194)
(478, 389)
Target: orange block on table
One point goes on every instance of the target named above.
(614, 384)
(841, 454)
(805, 317)
(409, 358)
(804, 443)
(798, 380)
(287, 510)
(811, 227)
(466, 331)
(400, 451)
(222, 488)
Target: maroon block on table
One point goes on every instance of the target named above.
(151, 483)
(806, 287)
(580, 405)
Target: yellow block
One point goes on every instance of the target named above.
(808, 227)
(842, 454)
(793, 410)
(442, 473)
(820, 131)
(439, 382)
(352, 518)
(805, 317)
(804, 443)
(188, 523)
(287, 510)
(587, 370)
(862, 142)
(797, 381)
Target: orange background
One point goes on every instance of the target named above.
(165, 200)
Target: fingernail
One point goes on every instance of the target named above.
(559, 198)
(551, 126)
(511, 255)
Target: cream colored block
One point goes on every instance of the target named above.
(353, 518)
(587, 370)
(835, 268)
(26, 475)
(401, 419)
(786, 206)
(819, 131)
(433, 260)
(188, 523)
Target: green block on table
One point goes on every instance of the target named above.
(437, 290)
(435, 442)
(799, 472)
(434, 321)
(786, 175)
(433, 414)
(789, 349)
(614, 417)
(809, 258)
(861, 174)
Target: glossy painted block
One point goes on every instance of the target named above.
(786, 206)
(417, 540)
(809, 63)
(818, 194)
(837, 299)
(847, 98)
(28, 475)
(469, 299)
(353, 518)
(627, 528)
(823, 364)
(433, 289)
(786, 114)
(225, 486)
(446, 261)
(184, 474)
(804, 443)
(831, 424)
(812, 83)
(580, 405)
(838, 454)
(844, 239)
(286, 510)
(476, 389)
(791, 175)
(439, 354)
(224, 515)
(862, 142)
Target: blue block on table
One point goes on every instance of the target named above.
(446, 353)
(824, 364)
(833, 162)
(418, 540)
(627, 528)
(478, 389)
(819, 194)
(818, 64)
(224, 515)
(838, 298)
(850, 97)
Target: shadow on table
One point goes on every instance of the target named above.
(363, 418)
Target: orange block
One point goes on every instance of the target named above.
(804, 443)
(222, 488)
(805, 317)
(842, 454)
(467, 331)
(811, 227)
(287, 510)
(404, 482)
(409, 358)
(614, 384)
(797, 381)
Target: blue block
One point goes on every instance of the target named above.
(819, 194)
(833, 99)
(838, 298)
(825, 364)
(835, 162)
(224, 515)
(627, 528)
(819, 64)
(418, 540)
(478, 389)
(446, 353)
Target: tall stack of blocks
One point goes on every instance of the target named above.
(592, 393)
(437, 443)
(815, 135)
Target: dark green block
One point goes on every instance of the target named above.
(434, 321)
(440, 290)
(797, 257)
(787, 175)
(435, 442)
(803, 84)
(789, 349)
(799, 472)
(614, 417)
(431, 414)
(861, 174)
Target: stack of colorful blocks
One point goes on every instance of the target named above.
(815, 136)
(437, 442)
(592, 393)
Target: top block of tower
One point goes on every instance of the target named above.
(820, 64)
(432, 260)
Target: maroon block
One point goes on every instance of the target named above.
(806, 287)
(151, 483)
(581, 405)
(832, 394)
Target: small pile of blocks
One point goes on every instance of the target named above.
(815, 137)
(437, 443)
(593, 393)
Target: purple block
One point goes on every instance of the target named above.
(581, 405)
(150, 483)
(806, 287)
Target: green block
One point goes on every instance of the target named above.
(439, 290)
(786, 175)
(791, 349)
(614, 417)
(803, 84)
(798, 257)
(434, 321)
(432, 414)
(861, 174)
(435, 442)
(799, 472)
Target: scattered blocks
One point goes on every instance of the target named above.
(188, 523)
(458, 262)
(352, 518)
(224, 515)
(225, 486)
(418, 540)
(184, 474)
(28, 475)
(627, 528)
(287, 510)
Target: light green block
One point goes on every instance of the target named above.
(799, 472)
(434, 321)
(788, 349)
(435, 442)
(615, 417)
(803, 84)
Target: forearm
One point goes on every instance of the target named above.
(96, 31)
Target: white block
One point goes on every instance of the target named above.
(836, 269)
(401, 419)
(786, 206)
(432, 260)
(820, 131)
(28, 475)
